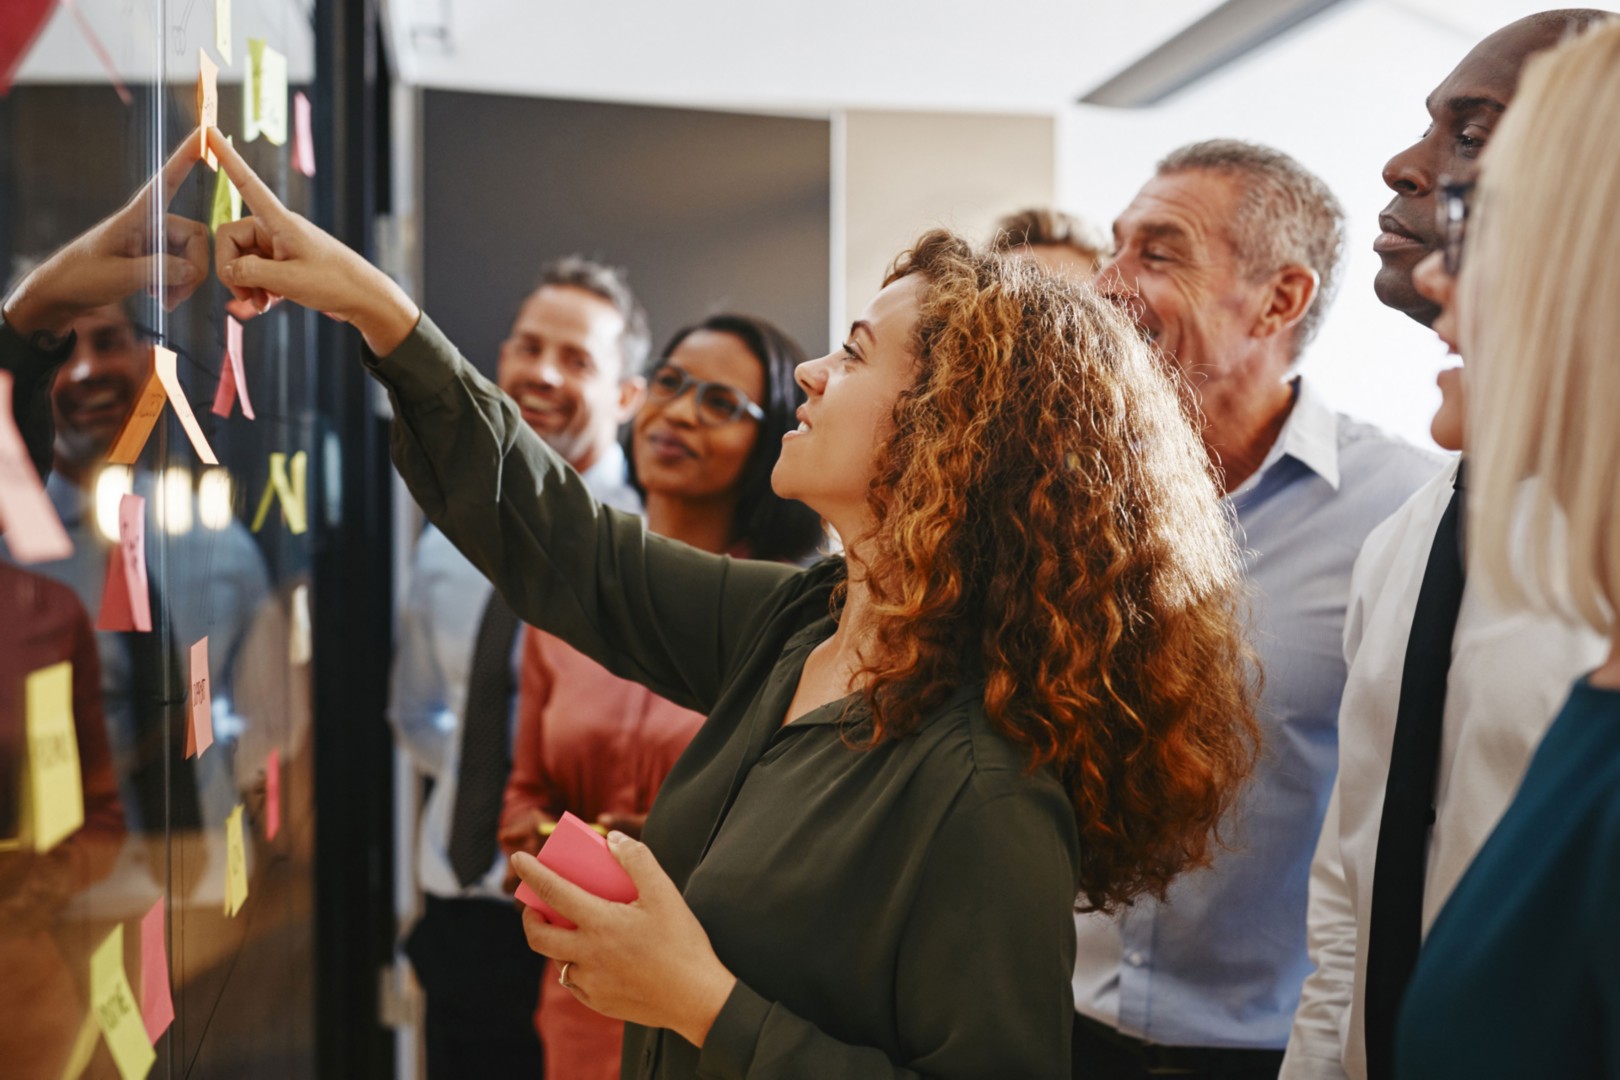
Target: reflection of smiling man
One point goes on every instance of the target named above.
(96, 389)
(1228, 259)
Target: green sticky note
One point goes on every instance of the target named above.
(227, 200)
(116, 1009)
(55, 792)
(264, 93)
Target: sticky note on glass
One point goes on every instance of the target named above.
(116, 1010)
(236, 883)
(165, 364)
(199, 703)
(580, 853)
(265, 93)
(55, 793)
(303, 136)
(137, 426)
(157, 1003)
(207, 103)
(288, 490)
(33, 531)
(272, 794)
(298, 643)
(125, 604)
(227, 200)
(222, 28)
(232, 379)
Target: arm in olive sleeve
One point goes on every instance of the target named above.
(984, 971)
(648, 609)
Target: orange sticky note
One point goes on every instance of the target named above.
(207, 103)
(200, 707)
(33, 531)
(124, 602)
(137, 427)
(157, 1002)
(232, 381)
(303, 136)
(170, 378)
(272, 794)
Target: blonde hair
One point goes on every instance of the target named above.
(1541, 293)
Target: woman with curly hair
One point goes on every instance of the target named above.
(1024, 682)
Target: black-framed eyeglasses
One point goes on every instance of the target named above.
(717, 403)
(1451, 211)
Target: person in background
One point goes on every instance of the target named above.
(701, 449)
(570, 367)
(1059, 242)
(1518, 974)
(1229, 258)
(1448, 690)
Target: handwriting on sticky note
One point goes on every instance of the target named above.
(116, 1010)
(303, 136)
(137, 426)
(222, 28)
(33, 531)
(157, 1001)
(55, 792)
(272, 794)
(236, 882)
(207, 103)
(580, 854)
(227, 200)
(199, 703)
(287, 490)
(232, 378)
(164, 362)
(125, 604)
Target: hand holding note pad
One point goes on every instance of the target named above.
(580, 854)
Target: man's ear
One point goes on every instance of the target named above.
(632, 392)
(1290, 293)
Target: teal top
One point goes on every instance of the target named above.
(903, 911)
(1520, 975)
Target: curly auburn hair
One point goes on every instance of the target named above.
(1050, 523)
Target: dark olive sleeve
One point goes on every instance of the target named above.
(648, 609)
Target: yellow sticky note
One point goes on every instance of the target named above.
(222, 28)
(265, 93)
(236, 882)
(227, 200)
(170, 378)
(55, 793)
(289, 491)
(298, 643)
(137, 428)
(116, 1009)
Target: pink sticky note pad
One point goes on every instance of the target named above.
(580, 853)
(272, 794)
(157, 1006)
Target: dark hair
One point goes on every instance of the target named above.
(599, 279)
(770, 526)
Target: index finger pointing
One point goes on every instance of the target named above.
(255, 192)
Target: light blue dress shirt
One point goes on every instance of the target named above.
(438, 624)
(1222, 961)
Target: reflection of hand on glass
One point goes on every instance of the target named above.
(276, 254)
(117, 258)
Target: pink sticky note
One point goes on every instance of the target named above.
(124, 602)
(157, 1006)
(232, 381)
(165, 362)
(272, 794)
(33, 531)
(241, 309)
(200, 733)
(580, 854)
(303, 137)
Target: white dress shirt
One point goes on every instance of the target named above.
(438, 626)
(1510, 672)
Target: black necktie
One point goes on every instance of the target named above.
(1395, 930)
(485, 745)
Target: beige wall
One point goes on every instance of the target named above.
(904, 172)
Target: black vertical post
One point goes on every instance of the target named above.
(352, 595)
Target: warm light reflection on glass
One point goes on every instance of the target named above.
(112, 484)
(214, 499)
(174, 501)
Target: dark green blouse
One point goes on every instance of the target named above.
(900, 911)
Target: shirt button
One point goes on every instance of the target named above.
(1136, 959)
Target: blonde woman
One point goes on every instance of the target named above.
(1520, 975)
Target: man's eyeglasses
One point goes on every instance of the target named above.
(717, 403)
(1451, 210)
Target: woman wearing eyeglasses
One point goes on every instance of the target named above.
(701, 450)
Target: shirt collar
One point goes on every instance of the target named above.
(1310, 436)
